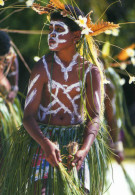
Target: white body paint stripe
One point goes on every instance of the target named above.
(30, 98)
(66, 69)
(66, 89)
(32, 82)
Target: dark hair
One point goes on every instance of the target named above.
(4, 43)
(73, 26)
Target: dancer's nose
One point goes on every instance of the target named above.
(53, 34)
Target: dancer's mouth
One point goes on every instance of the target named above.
(52, 41)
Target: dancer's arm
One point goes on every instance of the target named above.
(13, 79)
(112, 121)
(93, 104)
(37, 81)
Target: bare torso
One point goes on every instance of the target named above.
(60, 102)
(55, 96)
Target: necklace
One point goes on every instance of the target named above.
(63, 68)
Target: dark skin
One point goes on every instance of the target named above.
(7, 82)
(110, 109)
(65, 52)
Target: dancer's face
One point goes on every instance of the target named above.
(2, 61)
(59, 37)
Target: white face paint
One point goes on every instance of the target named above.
(56, 38)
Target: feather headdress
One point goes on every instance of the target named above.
(57, 4)
(85, 22)
(101, 27)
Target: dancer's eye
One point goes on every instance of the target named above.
(59, 29)
(50, 29)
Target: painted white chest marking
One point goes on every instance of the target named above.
(31, 96)
(32, 82)
(57, 34)
(66, 69)
(43, 111)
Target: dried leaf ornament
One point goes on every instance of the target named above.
(57, 4)
(123, 55)
(51, 6)
(42, 9)
(89, 21)
(91, 29)
(101, 27)
(73, 148)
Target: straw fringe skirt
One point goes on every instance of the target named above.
(25, 162)
(10, 121)
(10, 116)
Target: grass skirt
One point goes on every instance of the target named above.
(10, 121)
(10, 116)
(17, 175)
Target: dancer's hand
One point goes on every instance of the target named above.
(52, 153)
(78, 158)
